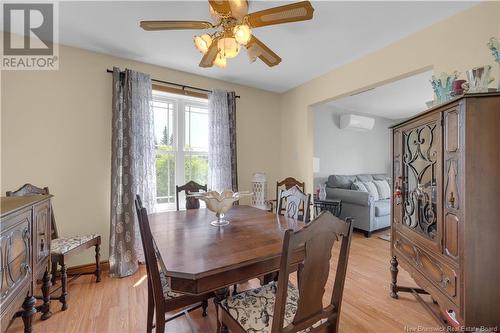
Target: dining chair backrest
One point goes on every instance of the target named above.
(29, 189)
(293, 202)
(152, 268)
(317, 238)
(287, 184)
(189, 187)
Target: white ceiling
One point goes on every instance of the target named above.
(397, 100)
(339, 33)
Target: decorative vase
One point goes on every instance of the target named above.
(322, 192)
(443, 85)
(494, 45)
(220, 203)
(478, 79)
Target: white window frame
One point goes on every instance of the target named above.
(179, 132)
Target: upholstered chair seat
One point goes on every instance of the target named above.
(253, 309)
(65, 244)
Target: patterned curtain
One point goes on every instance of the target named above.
(222, 168)
(132, 167)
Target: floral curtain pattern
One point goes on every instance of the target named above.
(132, 167)
(221, 141)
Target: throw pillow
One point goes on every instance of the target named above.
(384, 191)
(372, 189)
(358, 186)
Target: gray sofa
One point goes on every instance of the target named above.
(369, 215)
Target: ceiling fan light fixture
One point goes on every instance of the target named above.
(202, 42)
(228, 47)
(220, 61)
(242, 34)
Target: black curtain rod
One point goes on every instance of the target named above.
(183, 86)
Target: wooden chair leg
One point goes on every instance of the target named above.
(204, 306)
(64, 286)
(53, 271)
(160, 323)
(151, 305)
(98, 262)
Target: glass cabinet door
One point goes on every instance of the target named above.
(421, 179)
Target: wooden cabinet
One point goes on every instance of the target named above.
(25, 255)
(445, 222)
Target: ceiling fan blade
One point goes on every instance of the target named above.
(264, 53)
(174, 25)
(221, 6)
(299, 11)
(209, 57)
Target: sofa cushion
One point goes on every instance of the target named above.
(384, 191)
(364, 178)
(340, 181)
(382, 207)
(372, 189)
(358, 186)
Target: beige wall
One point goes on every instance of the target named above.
(56, 131)
(457, 43)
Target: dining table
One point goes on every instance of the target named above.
(200, 258)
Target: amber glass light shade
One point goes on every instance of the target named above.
(242, 34)
(203, 42)
(228, 47)
(220, 61)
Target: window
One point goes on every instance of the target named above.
(181, 140)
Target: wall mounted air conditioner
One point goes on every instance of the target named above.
(356, 123)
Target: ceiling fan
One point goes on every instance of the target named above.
(234, 27)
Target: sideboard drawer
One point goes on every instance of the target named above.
(441, 275)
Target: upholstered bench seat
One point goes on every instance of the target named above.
(253, 309)
(65, 244)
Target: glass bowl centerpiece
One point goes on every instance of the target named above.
(220, 203)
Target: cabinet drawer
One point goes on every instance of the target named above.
(441, 275)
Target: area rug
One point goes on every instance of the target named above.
(386, 237)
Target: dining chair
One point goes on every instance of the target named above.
(62, 248)
(191, 186)
(283, 307)
(294, 203)
(161, 298)
(285, 184)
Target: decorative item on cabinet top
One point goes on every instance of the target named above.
(442, 86)
(494, 46)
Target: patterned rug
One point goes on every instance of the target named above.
(386, 237)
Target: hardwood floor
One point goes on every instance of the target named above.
(119, 305)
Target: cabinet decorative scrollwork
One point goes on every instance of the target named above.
(420, 155)
(445, 208)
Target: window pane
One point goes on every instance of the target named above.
(164, 123)
(165, 176)
(196, 120)
(196, 167)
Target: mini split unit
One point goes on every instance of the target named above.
(356, 123)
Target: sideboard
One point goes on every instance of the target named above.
(25, 258)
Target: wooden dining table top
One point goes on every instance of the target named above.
(192, 249)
